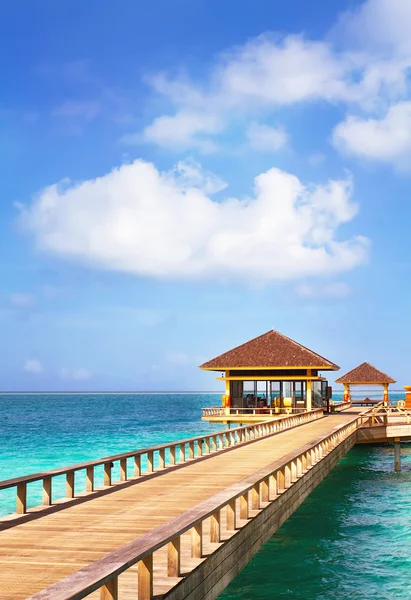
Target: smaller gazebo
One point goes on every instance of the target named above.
(365, 374)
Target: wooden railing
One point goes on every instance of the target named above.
(221, 411)
(241, 502)
(338, 407)
(147, 460)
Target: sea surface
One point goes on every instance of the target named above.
(351, 538)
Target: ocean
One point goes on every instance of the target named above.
(350, 539)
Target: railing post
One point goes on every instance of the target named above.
(70, 484)
(47, 491)
(244, 506)
(172, 455)
(21, 499)
(293, 471)
(109, 591)
(215, 527)
(264, 490)
(231, 515)
(255, 497)
(199, 447)
(145, 578)
(280, 480)
(162, 458)
(174, 558)
(287, 476)
(90, 479)
(207, 445)
(272, 487)
(197, 540)
(107, 473)
(191, 450)
(182, 453)
(150, 461)
(137, 465)
(123, 469)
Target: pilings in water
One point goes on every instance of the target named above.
(397, 455)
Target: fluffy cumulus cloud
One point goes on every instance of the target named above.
(166, 224)
(363, 64)
(33, 366)
(386, 139)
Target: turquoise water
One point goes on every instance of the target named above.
(41, 432)
(351, 539)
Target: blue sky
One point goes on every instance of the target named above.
(180, 176)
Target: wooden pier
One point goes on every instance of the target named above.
(185, 522)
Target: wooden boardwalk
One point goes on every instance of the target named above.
(37, 553)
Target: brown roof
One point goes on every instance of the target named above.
(365, 373)
(272, 349)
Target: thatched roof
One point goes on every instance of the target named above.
(365, 373)
(272, 349)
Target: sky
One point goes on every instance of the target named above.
(180, 176)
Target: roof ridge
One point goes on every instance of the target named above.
(305, 348)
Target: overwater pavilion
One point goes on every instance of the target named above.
(271, 374)
(365, 375)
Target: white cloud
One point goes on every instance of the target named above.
(80, 374)
(337, 289)
(185, 129)
(21, 301)
(138, 220)
(266, 138)
(363, 63)
(387, 139)
(33, 366)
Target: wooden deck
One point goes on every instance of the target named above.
(37, 553)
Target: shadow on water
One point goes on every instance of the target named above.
(350, 539)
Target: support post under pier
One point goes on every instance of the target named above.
(397, 455)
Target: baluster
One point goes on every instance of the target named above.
(137, 465)
(174, 558)
(123, 469)
(255, 497)
(199, 447)
(21, 498)
(70, 484)
(107, 473)
(182, 453)
(191, 450)
(172, 455)
(264, 490)
(215, 527)
(47, 491)
(90, 479)
(244, 506)
(207, 445)
(197, 540)
(280, 480)
(109, 591)
(231, 515)
(272, 487)
(150, 461)
(287, 475)
(145, 578)
(162, 458)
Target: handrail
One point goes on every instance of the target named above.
(189, 449)
(264, 410)
(265, 486)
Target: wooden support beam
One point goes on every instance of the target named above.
(107, 473)
(137, 465)
(162, 458)
(150, 461)
(244, 506)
